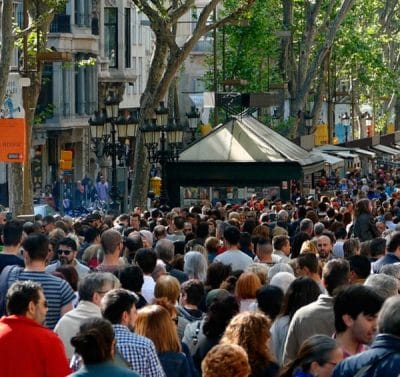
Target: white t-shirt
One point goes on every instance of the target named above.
(236, 258)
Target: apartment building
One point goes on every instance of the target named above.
(111, 47)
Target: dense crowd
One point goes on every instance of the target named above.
(305, 287)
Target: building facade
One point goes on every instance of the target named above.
(110, 48)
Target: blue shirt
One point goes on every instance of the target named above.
(106, 369)
(175, 364)
(139, 352)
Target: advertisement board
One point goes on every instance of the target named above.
(12, 140)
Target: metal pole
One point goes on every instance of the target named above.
(352, 109)
(329, 100)
(162, 161)
(114, 195)
(215, 67)
(223, 57)
(61, 209)
(26, 179)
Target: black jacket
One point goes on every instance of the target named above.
(364, 228)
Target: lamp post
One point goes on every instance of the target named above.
(368, 124)
(163, 140)
(111, 136)
(308, 121)
(193, 117)
(346, 123)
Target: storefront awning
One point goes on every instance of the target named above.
(333, 161)
(364, 152)
(386, 150)
(347, 155)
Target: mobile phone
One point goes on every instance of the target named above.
(9, 216)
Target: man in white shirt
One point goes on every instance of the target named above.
(146, 259)
(281, 245)
(233, 256)
(91, 290)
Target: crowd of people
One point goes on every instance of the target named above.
(306, 287)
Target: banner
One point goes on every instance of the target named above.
(12, 140)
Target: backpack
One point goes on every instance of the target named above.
(4, 285)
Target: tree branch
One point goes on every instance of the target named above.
(177, 13)
(231, 17)
(150, 12)
(330, 37)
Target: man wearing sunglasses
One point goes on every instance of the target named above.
(67, 251)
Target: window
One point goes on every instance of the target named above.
(44, 108)
(140, 29)
(83, 12)
(140, 76)
(111, 36)
(85, 90)
(127, 38)
(134, 26)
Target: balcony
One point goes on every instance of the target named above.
(61, 24)
(203, 46)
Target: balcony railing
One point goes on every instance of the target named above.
(205, 45)
(61, 24)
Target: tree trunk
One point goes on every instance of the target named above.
(307, 70)
(167, 59)
(21, 176)
(6, 46)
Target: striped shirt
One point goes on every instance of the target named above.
(139, 352)
(57, 291)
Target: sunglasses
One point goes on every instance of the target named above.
(65, 252)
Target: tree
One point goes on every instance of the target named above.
(314, 26)
(7, 44)
(38, 16)
(248, 49)
(307, 31)
(167, 58)
(366, 56)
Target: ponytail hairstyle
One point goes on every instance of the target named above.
(316, 348)
(94, 341)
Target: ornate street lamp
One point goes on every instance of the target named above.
(345, 118)
(193, 118)
(308, 121)
(111, 135)
(163, 140)
(368, 124)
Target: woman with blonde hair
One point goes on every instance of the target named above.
(155, 323)
(167, 286)
(246, 289)
(308, 247)
(251, 330)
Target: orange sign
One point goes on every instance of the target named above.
(12, 140)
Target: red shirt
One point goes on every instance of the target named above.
(28, 349)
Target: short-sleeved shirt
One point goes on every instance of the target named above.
(236, 258)
(57, 291)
